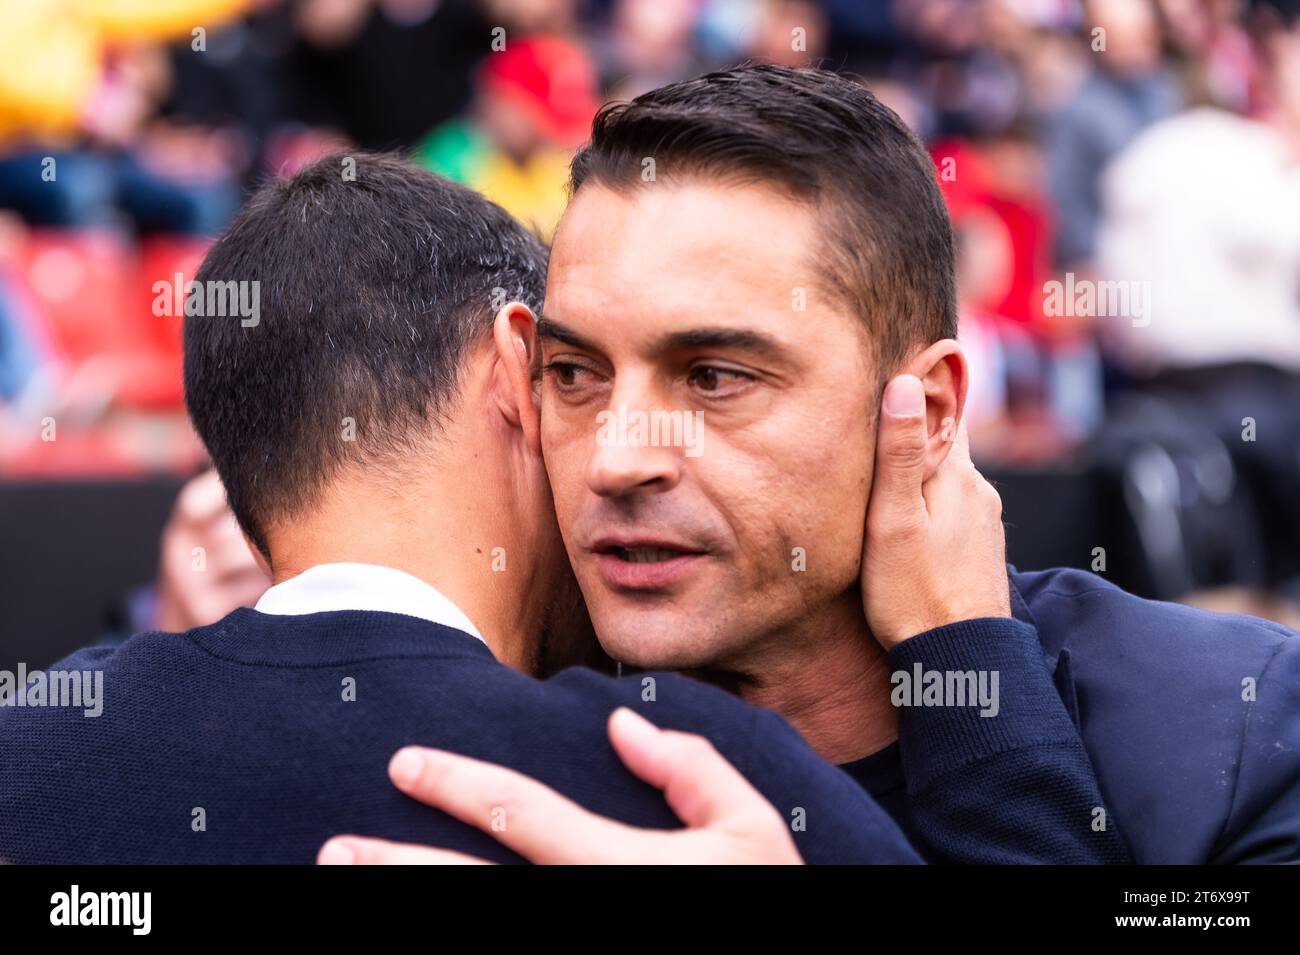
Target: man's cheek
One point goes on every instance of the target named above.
(761, 521)
(567, 433)
(564, 471)
(817, 540)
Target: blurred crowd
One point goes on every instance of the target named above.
(1123, 177)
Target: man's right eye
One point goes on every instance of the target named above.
(565, 373)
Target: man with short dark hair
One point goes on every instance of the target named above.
(768, 247)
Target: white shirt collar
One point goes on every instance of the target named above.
(327, 587)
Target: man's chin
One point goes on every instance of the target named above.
(656, 640)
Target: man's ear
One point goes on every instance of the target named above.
(514, 331)
(945, 376)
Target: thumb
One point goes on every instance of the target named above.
(900, 447)
(698, 783)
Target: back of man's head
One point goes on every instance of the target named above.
(373, 279)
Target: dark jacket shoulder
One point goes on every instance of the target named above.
(1191, 718)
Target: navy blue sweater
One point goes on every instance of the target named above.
(1014, 786)
(1176, 727)
(234, 744)
(1191, 719)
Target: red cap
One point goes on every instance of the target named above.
(552, 79)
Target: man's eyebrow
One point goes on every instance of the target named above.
(553, 330)
(742, 339)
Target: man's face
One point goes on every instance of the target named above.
(717, 504)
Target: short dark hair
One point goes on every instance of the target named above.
(372, 288)
(825, 139)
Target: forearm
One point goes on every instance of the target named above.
(1003, 777)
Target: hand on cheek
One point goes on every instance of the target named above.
(934, 549)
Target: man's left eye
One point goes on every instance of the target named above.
(709, 378)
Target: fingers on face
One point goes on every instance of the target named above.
(961, 443)
(899, 472)
(959, 486)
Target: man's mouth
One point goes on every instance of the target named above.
(644, 555)
(644, 565)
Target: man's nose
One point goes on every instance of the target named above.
(623, 466)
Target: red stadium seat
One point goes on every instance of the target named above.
(96, 294)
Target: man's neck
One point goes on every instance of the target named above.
(830, 680)
(445, 546)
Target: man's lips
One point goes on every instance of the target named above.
(644, 563)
